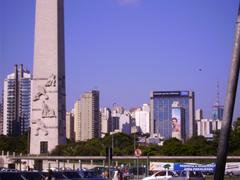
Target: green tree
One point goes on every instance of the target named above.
(172, 147)
(151, 150)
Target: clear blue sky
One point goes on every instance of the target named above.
(127, 48)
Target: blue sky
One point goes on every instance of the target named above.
(127, 48)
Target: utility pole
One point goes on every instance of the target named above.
(228, 106)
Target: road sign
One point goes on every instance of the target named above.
(138, 152)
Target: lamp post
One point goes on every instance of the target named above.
(113, 129)
(134, 143)
(229, 106)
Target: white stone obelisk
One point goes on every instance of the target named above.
(48, 85)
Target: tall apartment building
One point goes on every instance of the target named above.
(125, 123)
(161, 112)
(198, 114)
(86, 116)
(207, 127)
(142, 118)
(17, 103)
(106, 121)
(70, 125)
(117, 111)
(1, 116)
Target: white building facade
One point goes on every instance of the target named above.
(87, 117)
(70, 125)
(17, 103)
(106, 121)
(207, 127)
(125, 123)
(142, 118)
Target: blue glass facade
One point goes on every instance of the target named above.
(161, 111)
(217, 112)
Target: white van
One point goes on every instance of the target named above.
(232, 169)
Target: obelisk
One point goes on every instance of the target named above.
(48, 85)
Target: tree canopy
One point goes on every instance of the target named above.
(124, 145)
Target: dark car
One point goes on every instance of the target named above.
(90, 174)
(57, 174)
(74, 175)
(99, 170)
(32, 175)
(11, 176)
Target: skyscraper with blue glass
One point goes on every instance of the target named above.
(17, 104)
(161, 112)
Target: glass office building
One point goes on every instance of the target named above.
(17, 102)
(161, 112)
(217, 112)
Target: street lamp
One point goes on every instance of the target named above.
(112, 128)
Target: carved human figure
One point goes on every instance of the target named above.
(51, 81)
(47, 112)
(41, 92)
(40, 126)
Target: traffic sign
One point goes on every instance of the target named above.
(138, 152)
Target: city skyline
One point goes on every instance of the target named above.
(132, 48)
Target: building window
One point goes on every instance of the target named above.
(43, 147)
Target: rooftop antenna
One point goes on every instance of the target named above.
(95, 88)
(218, 95)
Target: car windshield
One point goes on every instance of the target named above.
(89, 174)
(191, 174)
(161, 173)
(170, 173)
(72, 175)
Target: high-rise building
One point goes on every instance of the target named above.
(77, 122)
(48, 115)
(207, 127)
(142, 118)
(125, 123)
(217, 112)
(1, 116)
(117, 111)
(217, 109)
(106, 121)
(86, 116)
(70, 126)
(17, 104)
(204, 127)
(199, 114)
(161, 112)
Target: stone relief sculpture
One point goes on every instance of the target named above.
(51, 81)
(41, 92)
(40, 126)
(47, 112)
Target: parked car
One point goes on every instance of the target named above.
(74, 175)
(161, 175)
(32, 175)
(232, 169)
(11, 176)
(190, 175)
(57, 174)
(90, 174)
